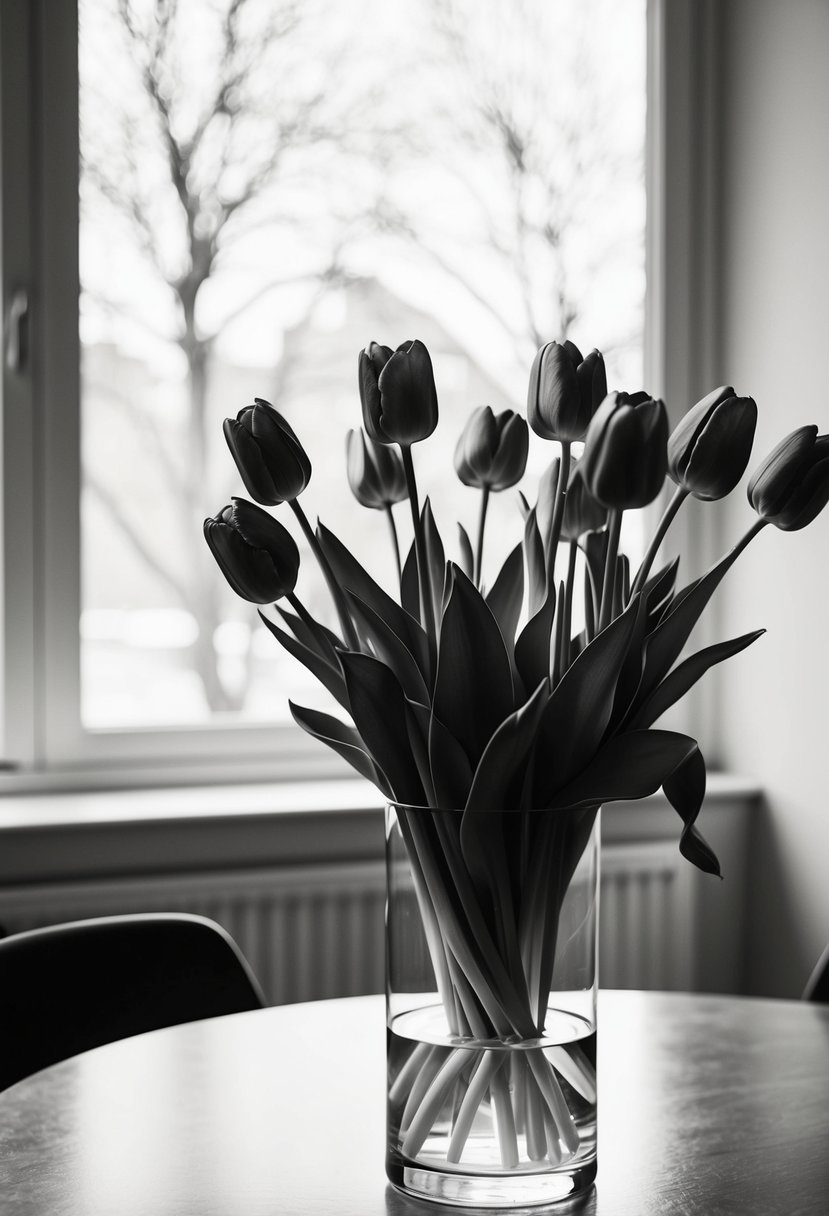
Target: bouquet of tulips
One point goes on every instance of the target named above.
(485, 700)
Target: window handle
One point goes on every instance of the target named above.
(17, 331)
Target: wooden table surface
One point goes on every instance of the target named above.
(707, 1105)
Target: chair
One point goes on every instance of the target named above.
(817, 985)
(71, 987)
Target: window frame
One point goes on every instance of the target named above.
(45, 742)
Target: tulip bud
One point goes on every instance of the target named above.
(268, 455)
(257, 556)
(708, 451)
(375, 472)
(625, 451)
(565, 391)
(582, 513)
(492, 450)
(791, 486)
(398, 395)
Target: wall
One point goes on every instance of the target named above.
(773, 305)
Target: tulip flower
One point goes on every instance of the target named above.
(268, 455)
(398, 395)
(377, 479)
(709, 450)
(582, 513)
(625, 452)
(492, 450)
(791, 486)
(375, 472)
(255, 553)
(565, 391)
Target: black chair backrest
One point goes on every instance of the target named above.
(817, 986)
(67, 988)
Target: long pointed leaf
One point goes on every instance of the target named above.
(352, 577)
(315, 636)
(409, 585)
(685, 790)
(473, 686)
(378, 710)
(578, 713)
(629, 766)
(329, 676)
(494, 787)
(467, 561)
(683, 677)
(435, 557)
(536, 565)
(342, 739)
(390, 648)
(532, 650)
(507, 595)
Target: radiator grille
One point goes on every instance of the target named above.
(316, 932)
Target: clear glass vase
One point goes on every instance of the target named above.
(491, 938)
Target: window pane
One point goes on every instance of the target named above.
(267, 185)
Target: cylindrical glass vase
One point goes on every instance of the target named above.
(491, 940)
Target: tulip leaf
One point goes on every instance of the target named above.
(685, 790)
(498, 779)
(378, 709)
(467, 562)
(683, 677)
(664, 645)
(409, 585)
(536, 566)
(352, 577)
(450, 769)
(659, 588)
(507, 595)
(532, 650)
(313, 635)
(578, 713)
(343, 739)
(435, 557)
(473, 685)
(629, 766)
(390, 648)
(417, 724)
(329, 676)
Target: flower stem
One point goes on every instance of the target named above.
(395, 543)
(558, 512)
(479, 552)
(424, 582)
(677, 499)
(346, 623)
(613, 533)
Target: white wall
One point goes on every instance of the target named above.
(773, 282)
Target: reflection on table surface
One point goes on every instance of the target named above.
(707, 1105)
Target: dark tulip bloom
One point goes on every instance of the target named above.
(397, 391)
(492, 450)
(257, 556)
(625, 452)
(708, 451)
(565, 390)
(791, 486)
(582, 513)
(375, 472)
(268, 455)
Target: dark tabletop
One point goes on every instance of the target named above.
(708, 1105)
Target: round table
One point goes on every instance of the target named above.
(708, 1105)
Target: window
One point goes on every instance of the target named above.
(261, 191)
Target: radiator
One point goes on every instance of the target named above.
(316, 932)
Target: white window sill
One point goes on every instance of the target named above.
(66, 836)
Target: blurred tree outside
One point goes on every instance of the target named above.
(260, 179)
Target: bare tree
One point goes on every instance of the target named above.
(216, 142)
(527, 138)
